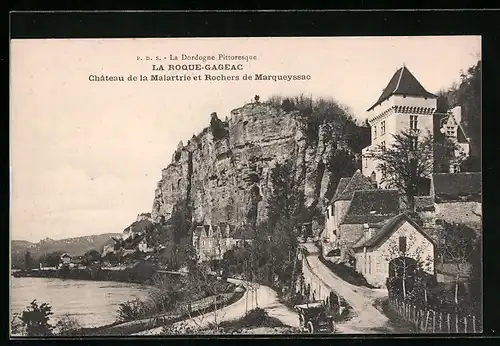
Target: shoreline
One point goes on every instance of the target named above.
(106, 275)
(127, 275)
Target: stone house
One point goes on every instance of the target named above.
(65, 259)
(356, 202)
(450, 125)
(211, 242)
(77, 262)
(388, 248)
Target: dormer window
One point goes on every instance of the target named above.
(451, 131)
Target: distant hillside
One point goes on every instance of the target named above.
(73, 246)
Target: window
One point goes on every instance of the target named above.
(382, 144)
(382, 127)
(402, 244)
(366, 163)
(369, 264)
(451, 131)
(413, 122)
(374, 131)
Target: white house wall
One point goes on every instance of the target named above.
(418, 247)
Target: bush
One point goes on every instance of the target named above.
(256, 317)
(68, 326)
(35, 319)
(132, 310)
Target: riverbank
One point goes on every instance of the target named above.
(165, 319)
(140, 274)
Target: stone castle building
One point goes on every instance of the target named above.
(406, 105)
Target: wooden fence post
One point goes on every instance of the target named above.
(433, 321)
(421, 320)
(465, 324)
(474, 323)
(426, 320)
(440, 321)
(448, 320)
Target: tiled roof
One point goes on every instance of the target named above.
(388, 227)
(364, 218)
(371, 206)
(403, 82)
(357, 182)
(461, 134)
(424, 203)
(457, 186)
(340, 187)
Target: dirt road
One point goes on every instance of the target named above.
(266, 298)
(368, 319)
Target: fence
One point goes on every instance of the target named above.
(205, 303)
(194, 308)
(430, 321)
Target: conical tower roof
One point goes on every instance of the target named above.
(403, 82)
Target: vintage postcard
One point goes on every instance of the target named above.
(215, 186)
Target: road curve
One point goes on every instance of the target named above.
(266, 298)
(368, 319)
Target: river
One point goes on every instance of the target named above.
(92, 303)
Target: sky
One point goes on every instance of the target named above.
(86, 156)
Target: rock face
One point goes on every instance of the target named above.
(227, 179)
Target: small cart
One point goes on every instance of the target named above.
(313, 318)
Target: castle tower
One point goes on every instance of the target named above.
(404, 104)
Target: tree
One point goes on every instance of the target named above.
(36, 319)
(29, 262)
(287, 198)
(341, 164)
(467, 94)
(457, 247)
(444, 154)
(52, 259)
(111, 257)
(406, 163)
(91, 256)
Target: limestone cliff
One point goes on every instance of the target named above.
(227, 178)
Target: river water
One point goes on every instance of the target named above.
(92, 303)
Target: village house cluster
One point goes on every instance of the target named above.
(365, 223)
(211, 242)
